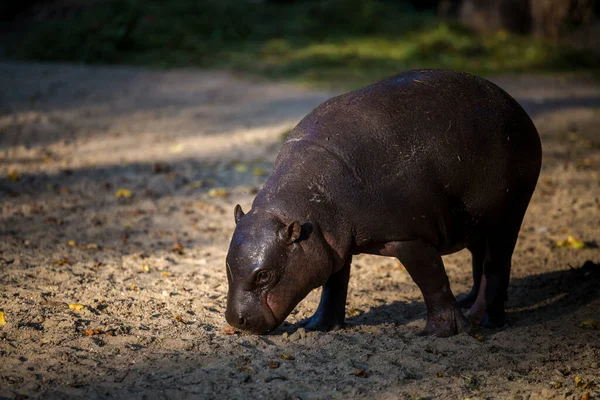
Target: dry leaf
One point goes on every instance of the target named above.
(361, 373)
(76, 306)
(586, 396)
(178, 148)
(2, 320)
(178, 318)
(287, 357)
(240, 167)
(218, 192)
(123, 194)
(133, 287)
(177, 248)
(571, 242)
(91, 246)
(195, 185)
(246, 369)
(439, 375)
(353, 311)
(166, 274)
(556, 384)
(14, 176)
(273, 364)
(259, 172)
(55, 304)
(158, 168)
(478, 336)
(145, 268)
(590, 324)
(53, 220)
(62, 262)
(92, 332)
(72, 243)
(228, 330)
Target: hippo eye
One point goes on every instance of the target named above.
(262, 277)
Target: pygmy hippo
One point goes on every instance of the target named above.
(416, 166)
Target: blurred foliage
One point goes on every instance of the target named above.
(330, 42)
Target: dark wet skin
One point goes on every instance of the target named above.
(419, 165)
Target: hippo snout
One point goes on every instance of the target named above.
(258, 319)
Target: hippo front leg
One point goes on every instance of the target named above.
(332, 308)
(424, 264)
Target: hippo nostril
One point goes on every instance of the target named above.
(242, 321)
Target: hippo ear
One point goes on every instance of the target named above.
(291, 232)
(238, 213)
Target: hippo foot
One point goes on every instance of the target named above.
(487, 319)
(320, 323)
(446, 323)
(468, 300)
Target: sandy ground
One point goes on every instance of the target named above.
(149, 269)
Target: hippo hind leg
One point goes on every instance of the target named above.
(332, 308)
(488, 308)
(478, 250)
(424, 264)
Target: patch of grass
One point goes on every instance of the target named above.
(332, 42)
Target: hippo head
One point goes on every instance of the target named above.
(271, 266)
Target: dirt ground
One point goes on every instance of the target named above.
(149, 268)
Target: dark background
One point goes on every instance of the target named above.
(330, 42)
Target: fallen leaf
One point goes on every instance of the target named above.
(353, 311)
(478, 336)
(439, 375)
(218, 192)
(158, 168)
(573, 136)
(92, 332)
(240, 167)
(91, 246)
(244, 368)
(259, 172)
(195, 185)
(273, 364)
(228, 330)
(178, 318)
(166, 274)
(177, 248)
(55, 304)
(556, 384)
(571, 242)
(123, 193)
(14, 176)
(361, 373)
(133, 287)
(586, 396)
(178, 148)
(2, 320)
(62, 261)
(590, 324)
(72, 243)
(287, 357)
(76, 307)
(145, 268)
(53, 220)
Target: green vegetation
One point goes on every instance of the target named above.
(331, 42)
